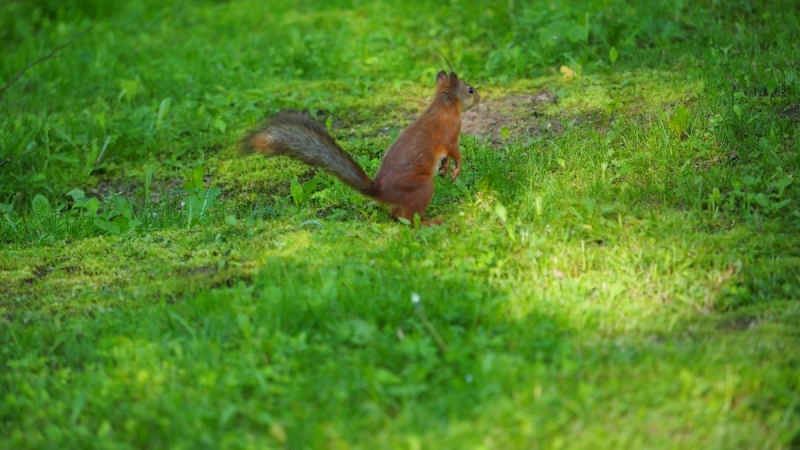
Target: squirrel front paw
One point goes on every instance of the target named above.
(444, 167)
(455, 172)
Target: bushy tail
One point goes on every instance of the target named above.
(299, 136)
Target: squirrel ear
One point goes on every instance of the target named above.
(441, 77)
(453, 79)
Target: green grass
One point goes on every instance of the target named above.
(622, 270)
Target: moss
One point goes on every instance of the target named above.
(247, 179)
(169, 264)
(626, 93)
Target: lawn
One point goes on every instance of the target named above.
(618, 267)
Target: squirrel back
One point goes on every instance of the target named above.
(405, 178)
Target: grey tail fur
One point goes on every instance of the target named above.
(300, 137)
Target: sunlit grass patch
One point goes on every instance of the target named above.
(617, 267)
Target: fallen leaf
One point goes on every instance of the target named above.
(569, 74)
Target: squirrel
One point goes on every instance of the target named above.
(404, 180)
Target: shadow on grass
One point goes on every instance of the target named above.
(602, 320)
(321, 343)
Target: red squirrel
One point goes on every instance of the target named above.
(404, 180)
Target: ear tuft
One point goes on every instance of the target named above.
(453, 79)
(441, 77)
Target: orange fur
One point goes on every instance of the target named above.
(405, 178)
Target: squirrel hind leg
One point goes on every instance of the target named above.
(416, 204)
(407, 214)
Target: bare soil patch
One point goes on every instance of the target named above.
(522, 114)
(791, 112)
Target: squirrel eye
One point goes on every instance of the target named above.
(470, 90)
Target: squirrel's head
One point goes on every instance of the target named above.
(459, 92)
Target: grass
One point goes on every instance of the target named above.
(620, 269)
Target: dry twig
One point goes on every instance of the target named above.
(42, 59)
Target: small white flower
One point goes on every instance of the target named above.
(415, 298)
